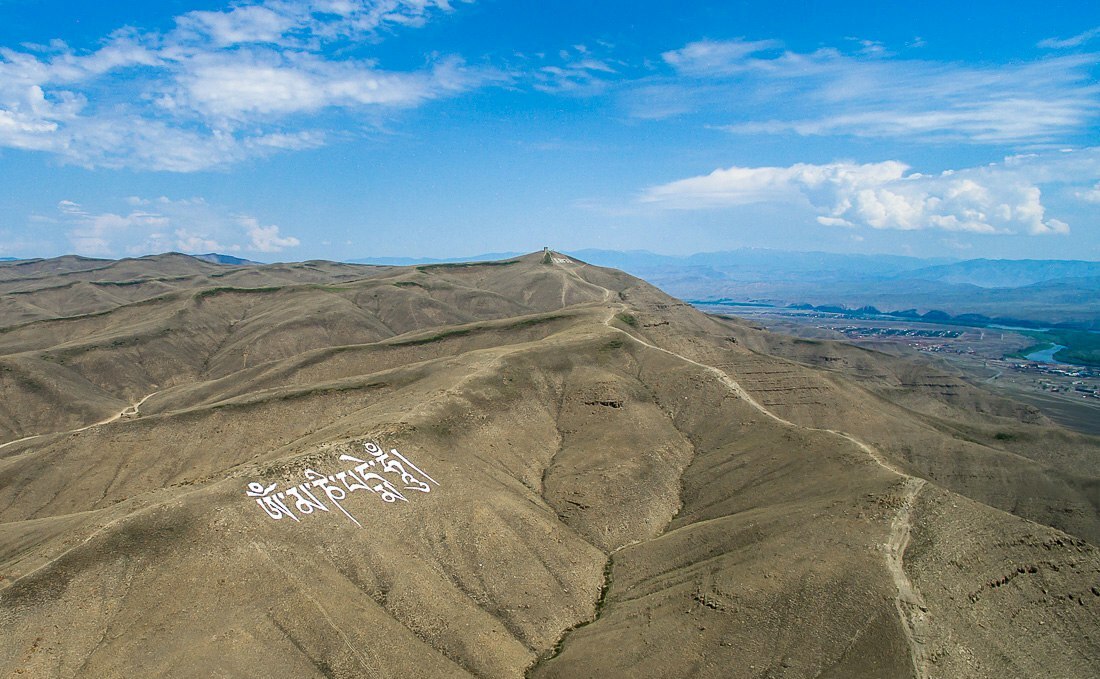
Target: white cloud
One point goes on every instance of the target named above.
(986, 122)
(833, 221)
(302, 23)
(266, 238)
(997, 198)
(709, 58)
(1091, 195)
(92, 234)
(249, 23)
(872, 94)
(238, 88)
(1074, 41)
(218, 88)
(163, 224)
(869, 47)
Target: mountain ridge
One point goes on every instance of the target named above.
(619, 485)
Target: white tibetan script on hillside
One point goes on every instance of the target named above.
(366, 475)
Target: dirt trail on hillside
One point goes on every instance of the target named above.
(131, 410)
(912, 611)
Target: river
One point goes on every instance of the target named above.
(1047, 355)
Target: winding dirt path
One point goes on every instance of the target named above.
(912, 611)
(131, 410)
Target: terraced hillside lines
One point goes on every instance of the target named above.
(621, 486)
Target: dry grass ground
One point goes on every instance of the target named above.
(622, 486)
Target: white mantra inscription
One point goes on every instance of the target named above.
(366, 475)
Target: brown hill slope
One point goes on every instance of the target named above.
(594, 479)
(77, 286)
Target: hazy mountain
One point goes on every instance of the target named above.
(759, 264)
(1007, 273)
(765, 265)
(215, 258)
(1040, 291)
(410, 261)
(575, 475)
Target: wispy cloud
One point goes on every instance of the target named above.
(219, 87)
(574, 70)
(266, 86)
(1073, 41)
(871, 93)
(162, 224)
(711, 59)
(998, 198)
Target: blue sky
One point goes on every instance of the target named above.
(289, 130)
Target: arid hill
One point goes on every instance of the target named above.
(527, 467)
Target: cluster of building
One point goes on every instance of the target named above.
(1056, 369)
(940, 348)
(856, 332)
(1076, 374)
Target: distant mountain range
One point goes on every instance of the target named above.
(212, 257)
(1007, 273)
(1057, 292)
(762, 264)
(215, 258)
(411, 261)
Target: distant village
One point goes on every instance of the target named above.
(1054, 378)
(856, 332)
(1077, 386)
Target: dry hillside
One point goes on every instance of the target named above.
(529, 467)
